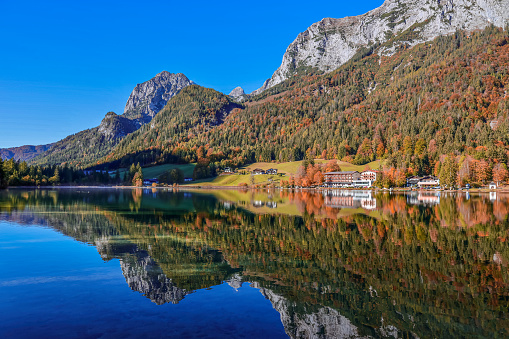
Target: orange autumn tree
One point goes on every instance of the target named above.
(500, 173)
(482, 171)
(332, 166)
(311, 171)
(318, 178)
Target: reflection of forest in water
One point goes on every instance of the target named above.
(337, 263)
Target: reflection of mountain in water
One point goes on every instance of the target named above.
(304, 320)
(324, 322)
(144, 275)
(438, 270)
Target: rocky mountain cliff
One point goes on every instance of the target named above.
(238, 94)
(149, 97)
(116, 126)
(328, 44)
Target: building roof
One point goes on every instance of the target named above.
(345, 172)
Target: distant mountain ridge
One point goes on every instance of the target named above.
(328, 44)
(23, 153)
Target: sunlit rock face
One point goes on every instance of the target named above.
(328, 44)
(144, 275)
(148, 98)
(238, 94)
(115, 126)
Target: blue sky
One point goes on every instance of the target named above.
(64, 65)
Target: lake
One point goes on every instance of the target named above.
(127, 263)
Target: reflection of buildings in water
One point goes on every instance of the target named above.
(493, 196)
(368, 204)
(227, 205)
(423, 198)
(349, 199)
(271, 204)
(258, 203)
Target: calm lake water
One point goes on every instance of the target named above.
(91, 263)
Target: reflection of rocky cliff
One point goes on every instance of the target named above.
(302, 320)
(323, 323)
(144, 275)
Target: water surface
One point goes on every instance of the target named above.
(130, 263)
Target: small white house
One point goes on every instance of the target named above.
(493, 186)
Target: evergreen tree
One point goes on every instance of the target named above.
(138, 176)
(55, 179)
(3, 181)
(449, 172)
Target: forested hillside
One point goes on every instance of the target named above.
(84, 148)
(413, 107)
(188, 116)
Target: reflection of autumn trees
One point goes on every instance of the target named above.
(392, 204)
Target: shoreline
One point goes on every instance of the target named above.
(205, 188)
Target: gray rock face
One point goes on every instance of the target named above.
(238, 94)
(148, 98)
(116, 126)
(328, 44)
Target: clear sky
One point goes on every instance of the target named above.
(65, 64)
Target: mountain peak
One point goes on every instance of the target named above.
(330, 43)
(149, 97)
(238, 94)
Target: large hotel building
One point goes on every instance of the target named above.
(350, 179)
